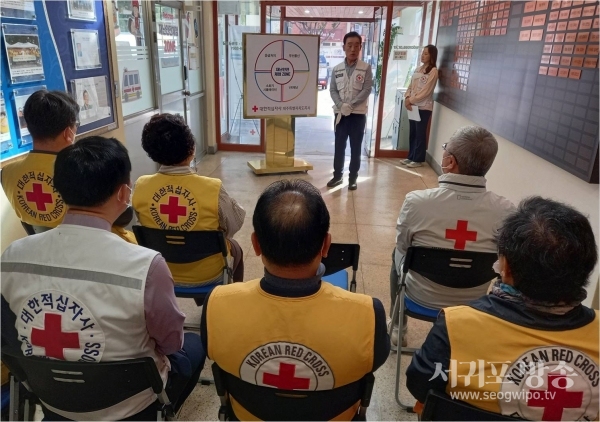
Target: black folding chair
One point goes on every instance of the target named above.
(272, 404)
(440, 407)
(446, 267)
(340, 257)
(80, 387)
(181, 247)
(31, 230)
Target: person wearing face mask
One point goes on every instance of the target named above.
(420, 94)
(539, 342)
(177, 198)
(459, 214)
(110, 299)
(51, 118)
(350, 87)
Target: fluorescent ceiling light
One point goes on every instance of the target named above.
(307, 11)
(360, 12)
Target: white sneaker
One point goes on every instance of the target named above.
(413, 165)
(394, 337)
(405, 161)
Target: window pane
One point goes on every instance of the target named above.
(235, 18)
(133, 57)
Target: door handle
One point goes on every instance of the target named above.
(186, 93)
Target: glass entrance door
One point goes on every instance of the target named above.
(410, 30)
(179, 65)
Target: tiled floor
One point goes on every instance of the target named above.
(367, 216)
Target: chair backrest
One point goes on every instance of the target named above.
(440, 407)
(125, 218)
(269, 404)
(181, 247)
(31, 230)
(340, 257)
(451, 268)
(83, 386)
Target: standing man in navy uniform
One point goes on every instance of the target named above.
(350, 87)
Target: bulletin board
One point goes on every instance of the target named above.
(60, 26)
(527, 71)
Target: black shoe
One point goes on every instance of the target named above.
(334, 182)
(352, 184)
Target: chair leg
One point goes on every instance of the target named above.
(14, 400)
(399, 306)
(193, 326)
(205, 381)
(29, 410)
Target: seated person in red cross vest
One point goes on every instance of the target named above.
(289, 330)
(80, 293)
(51, 118)
(541, 361)
(459, 214)
(177, 198)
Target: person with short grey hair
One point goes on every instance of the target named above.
(475, 148)
(459, 214)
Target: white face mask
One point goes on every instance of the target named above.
(128, 203)
(71, 130)
(193, 165)
(444, 167)
(496, 267)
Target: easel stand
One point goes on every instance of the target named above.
(281, 144)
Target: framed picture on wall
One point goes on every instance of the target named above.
(86, 50)
(91, 95)
(5, 143)
(18, 9)
(20, 98)
(22, 45)
(82, 10)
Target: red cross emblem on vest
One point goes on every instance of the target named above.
(359, 78)
(173, 209)
(286, 379)
(52, 338)
(461, 235)
(38, 196)
(556, 398)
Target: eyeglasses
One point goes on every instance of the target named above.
(449, 153)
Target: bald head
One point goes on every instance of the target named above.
(291, 222)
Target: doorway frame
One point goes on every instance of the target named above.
(378, 153)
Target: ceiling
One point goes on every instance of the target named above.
(336, 12)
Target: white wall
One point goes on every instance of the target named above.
(518, 173)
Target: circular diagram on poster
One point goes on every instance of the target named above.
(281, 71)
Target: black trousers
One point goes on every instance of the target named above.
(353, 127)
(417, 143)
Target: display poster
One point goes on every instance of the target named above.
(22, 46)
(17, 9)
(86, 49)
(82, 10)
(280, 75)
(5, 143)
(20, 98)
(90, 94)
(168, 38)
